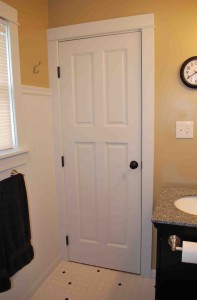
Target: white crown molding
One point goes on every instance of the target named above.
(34, 90)
(100, 28)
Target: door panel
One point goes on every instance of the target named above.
(86, 187)
(117, 192)
(100, 88)
(114, 75)
(82, 66)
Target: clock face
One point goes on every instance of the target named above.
(188, 72)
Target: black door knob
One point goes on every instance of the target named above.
(133, 164)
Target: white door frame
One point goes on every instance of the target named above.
(144, 24)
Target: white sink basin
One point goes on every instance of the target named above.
(187, 204)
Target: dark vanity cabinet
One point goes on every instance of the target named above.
(174, 279)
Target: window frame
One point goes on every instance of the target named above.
(18, 155)
(10, 84)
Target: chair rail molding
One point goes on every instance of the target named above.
(34, 90)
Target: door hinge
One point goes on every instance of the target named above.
(67, 241)
(62, 159)
(58, 71)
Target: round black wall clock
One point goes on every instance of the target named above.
(188, 72)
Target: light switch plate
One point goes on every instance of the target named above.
(184, 129)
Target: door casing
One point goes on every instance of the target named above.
(144, 24)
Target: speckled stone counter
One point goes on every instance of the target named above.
(166, 212)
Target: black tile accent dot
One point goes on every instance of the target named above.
(63, 271)
(69, 282)
(120, 284)
(98, 270)
(66, 298)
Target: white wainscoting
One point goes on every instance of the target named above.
(40, 181)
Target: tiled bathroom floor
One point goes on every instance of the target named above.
(74, 281)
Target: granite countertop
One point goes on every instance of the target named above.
(166, 212)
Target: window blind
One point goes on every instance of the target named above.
(6, 118)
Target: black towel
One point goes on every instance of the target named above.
(16, 250)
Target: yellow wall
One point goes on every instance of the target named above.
(175, 41)
(33, 19)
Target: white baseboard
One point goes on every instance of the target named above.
(40, 280)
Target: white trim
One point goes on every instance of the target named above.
(13, 152)
(147, 147)
(100, 28)
(34, 90)
(17, 156)
(144, 24)
(13, 159)
(8, 13)
(41, 279)
(57, 132)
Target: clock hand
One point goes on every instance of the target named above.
(191, 75)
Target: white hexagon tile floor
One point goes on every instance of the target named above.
(74, 281)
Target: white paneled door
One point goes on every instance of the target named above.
(100, 88)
